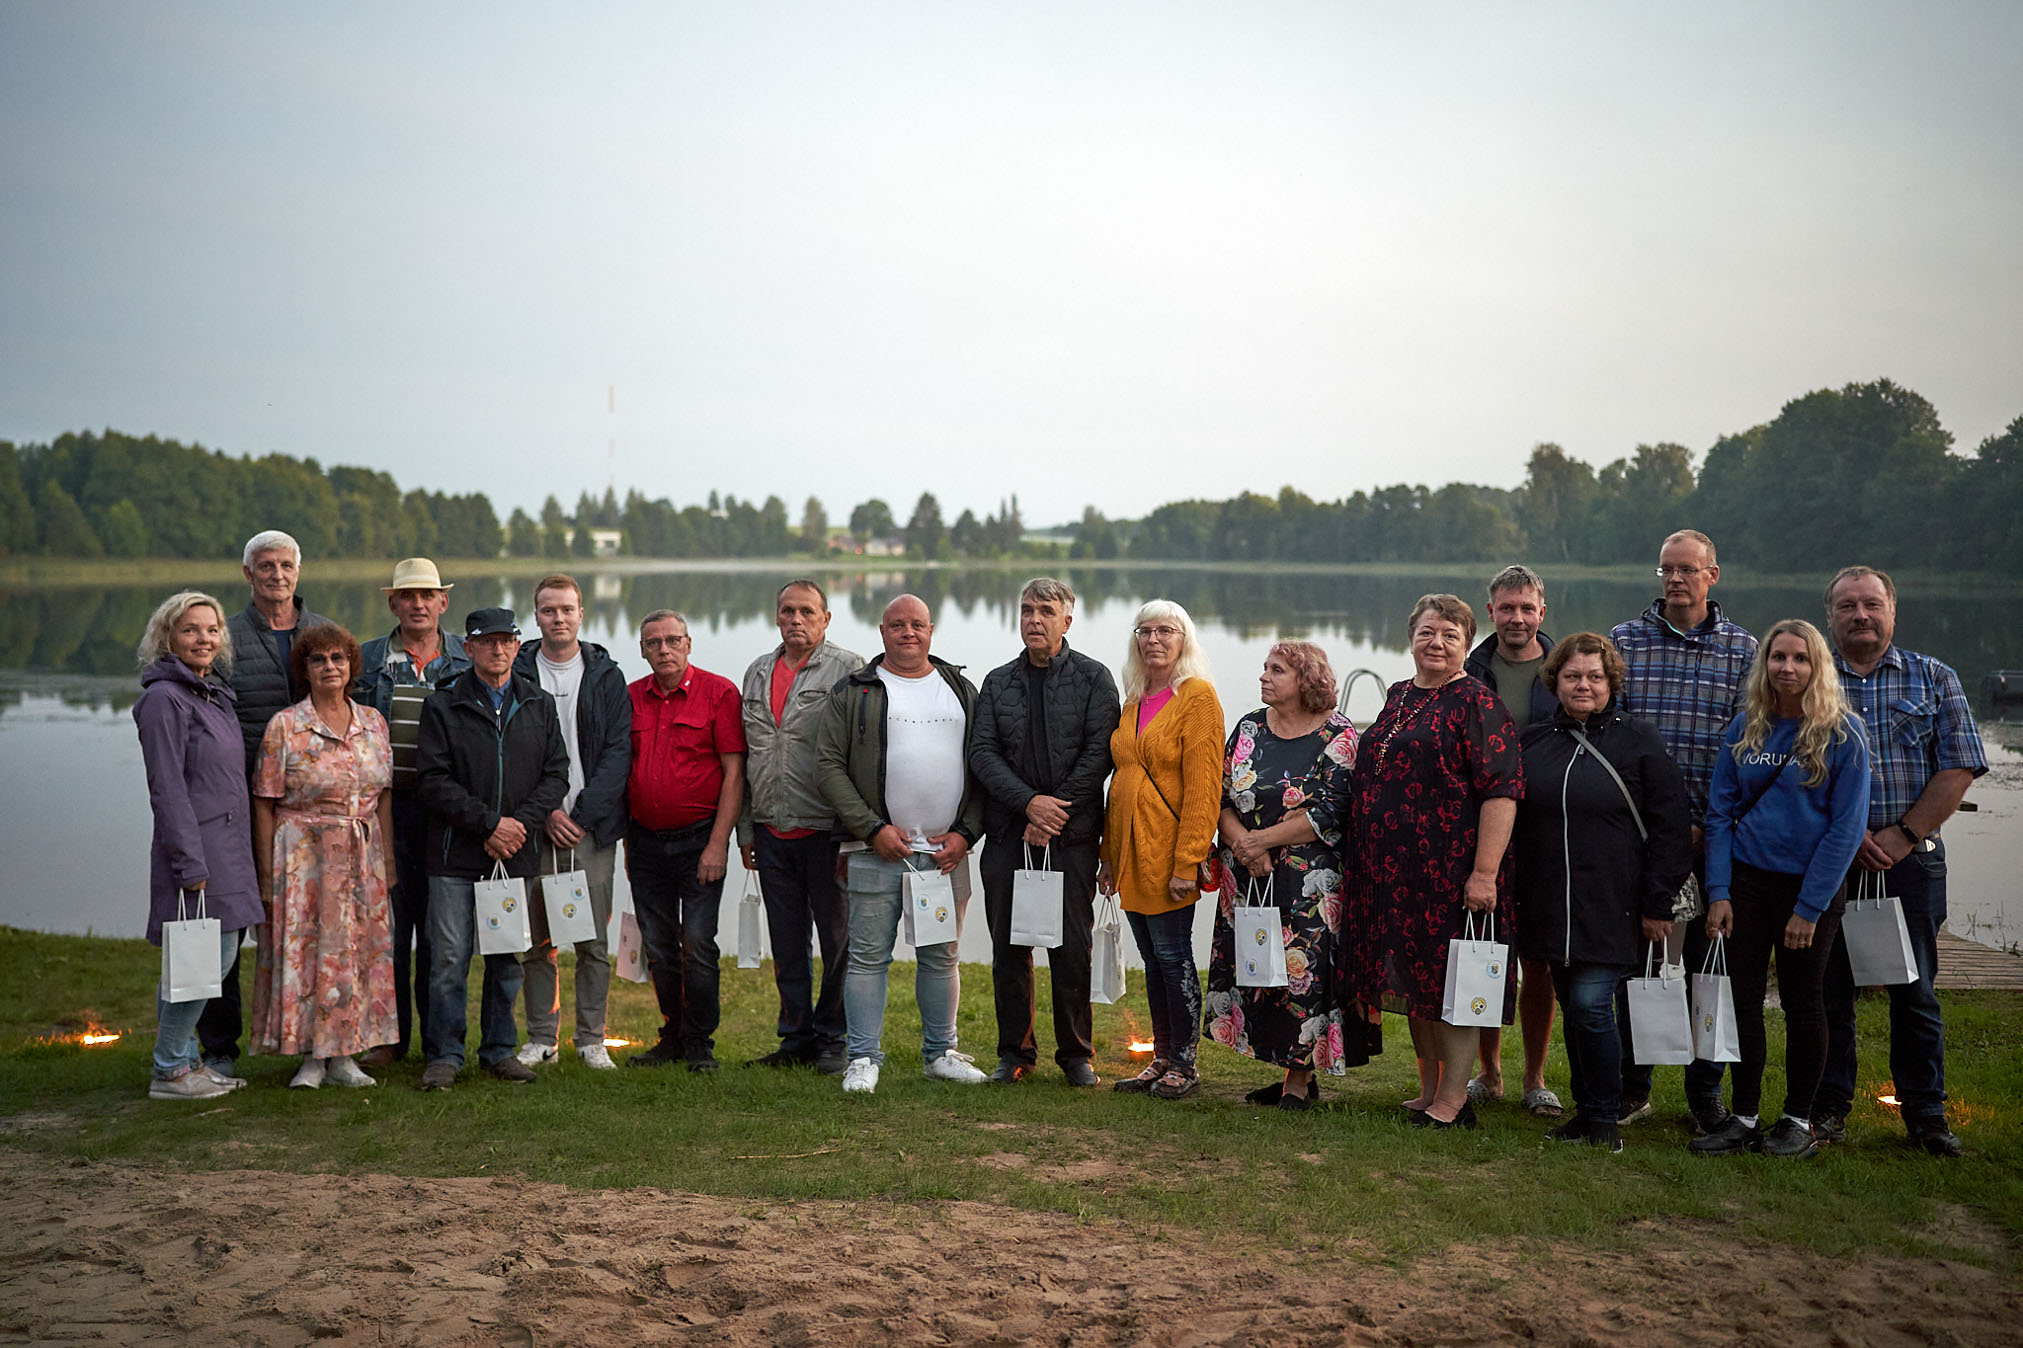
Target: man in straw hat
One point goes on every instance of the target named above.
(397, 674)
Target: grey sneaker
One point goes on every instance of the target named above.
(187, 1084)
(1789, 1138)
(513, 1070)
(439, 1076)
(225, 1079)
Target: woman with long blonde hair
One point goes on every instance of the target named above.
(1785, 817)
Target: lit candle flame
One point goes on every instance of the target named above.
(1141, 1046)
(1889, 1100)
(98, 1037)
(615, 1043)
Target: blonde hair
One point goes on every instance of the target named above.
(1823, 718)
(1191, 664)
(154, 639)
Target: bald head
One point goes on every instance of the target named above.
(907, 632)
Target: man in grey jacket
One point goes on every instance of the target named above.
(263, 634)
(787, 829)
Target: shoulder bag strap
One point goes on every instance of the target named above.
(1621, 785)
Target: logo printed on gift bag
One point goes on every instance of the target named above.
(1480, 1004)
(941, 913)
(508, 905)
(1258, 935)
(1494, 969)
(492, 921)
(568, 910)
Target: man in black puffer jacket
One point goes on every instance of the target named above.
(1040, 747)
(492, 766)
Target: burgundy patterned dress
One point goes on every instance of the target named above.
(1423, 769)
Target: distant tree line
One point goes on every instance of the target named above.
(1863, 470)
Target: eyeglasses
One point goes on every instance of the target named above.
(664, 643)
(1682, 572)
(1163, 633)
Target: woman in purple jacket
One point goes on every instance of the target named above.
(203, 842)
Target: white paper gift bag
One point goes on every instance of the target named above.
(1878, 940)
(501, 905)
(629, 961)
(1106, 952)
(566, 895)
(190, 951)
(1714, 1035)
(751, 922)
(1661, 1026)
(930, 907)
(1260, 937)
(1476, 967)
(1037, 915)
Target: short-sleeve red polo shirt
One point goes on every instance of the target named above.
(676, 739)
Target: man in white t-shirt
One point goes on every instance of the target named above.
(595, 711)
(890, 756)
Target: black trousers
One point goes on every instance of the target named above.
(797, 879)
(677, 915)
(221, 1022)
(1011, 966)
(1763, 903)
(408, 902)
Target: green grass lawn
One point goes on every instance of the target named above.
(1349, 1179)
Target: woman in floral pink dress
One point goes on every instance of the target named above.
(1285, 791)
(321, 820)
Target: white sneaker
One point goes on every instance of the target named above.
(344, 1072)
(533, 1054)
(597, 1056)
(225, 1079)
(861, 1076)
(191, 1085)
(953, 1066)
(308, 1076)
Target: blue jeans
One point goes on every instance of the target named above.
(1172, 983)
(1917, 1034)
(677, 915)
(176, 1022)
(1594, 1051)
(453, 936)
(876, 888)
(797, 879)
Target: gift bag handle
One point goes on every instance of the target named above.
(1716, 961)
(1250, 883)
(753, 889)
(1046, 856)
(181, 895)
(1468, 931)
(498, 871)
(1654, 959)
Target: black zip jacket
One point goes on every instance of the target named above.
(259, 676)
(1544, 702)
(1081, 714)
(476, 768)
(603, 737)
(1584, 877)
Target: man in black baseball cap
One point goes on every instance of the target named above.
(492, 764)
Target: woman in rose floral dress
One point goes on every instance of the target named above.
(1284, 796)
(321, 820)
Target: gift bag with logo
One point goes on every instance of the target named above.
(929, 907)
(1106, 952)
(501, 904)
(190, 950)
(1877, 939)
(1476, 966)
(1661, 1028)
(1037, 916)
(751, 921)
(1714, 1036)
(1260, 937)
(566, 895)
(629, 959)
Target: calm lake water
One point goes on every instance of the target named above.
(74, 822)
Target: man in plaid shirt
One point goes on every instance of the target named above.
(1925, 750)
(1687, 664)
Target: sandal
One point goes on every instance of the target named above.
(1480, 1094)
(1143, 1081)
(1543, 1104)
(1177, 1084)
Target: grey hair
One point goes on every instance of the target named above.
(661, 615)
(1691, 535)
(1047, 590)
(270, 540)
(803, 583)
(1516, 576)
(1192, 663)
(154, 639)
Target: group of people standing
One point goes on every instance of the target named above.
(1600, 800)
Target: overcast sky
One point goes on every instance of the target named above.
(1108, 253)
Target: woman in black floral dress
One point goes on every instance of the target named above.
(1285, 789)
(1433, 797)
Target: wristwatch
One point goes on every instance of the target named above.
(1909, 832)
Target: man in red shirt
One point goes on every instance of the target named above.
(683, 794)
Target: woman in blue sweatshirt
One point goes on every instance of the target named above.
(1785, 817)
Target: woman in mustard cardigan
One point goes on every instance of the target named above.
(1160, 827)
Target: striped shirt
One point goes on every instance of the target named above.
(1919, 723)
(1688, 685)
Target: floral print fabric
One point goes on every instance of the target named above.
(1425, 766)
(1266, 778)
(324, 985)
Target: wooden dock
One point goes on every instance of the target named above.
(1965, 964)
